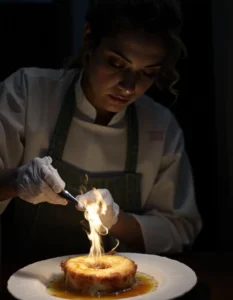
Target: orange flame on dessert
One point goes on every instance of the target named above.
(92, 215)
(97, 229)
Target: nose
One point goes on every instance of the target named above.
(128, 83)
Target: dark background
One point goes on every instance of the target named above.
(42, 35)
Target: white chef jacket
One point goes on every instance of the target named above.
(30, 101)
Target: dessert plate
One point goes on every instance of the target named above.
(174, 278)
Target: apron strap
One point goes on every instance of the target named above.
(132, 140)
(64, 120)
(61, 131)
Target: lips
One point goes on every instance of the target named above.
(119, 99)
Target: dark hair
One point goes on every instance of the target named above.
(163, 17)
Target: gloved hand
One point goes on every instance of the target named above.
(108, 209)
(38, 182)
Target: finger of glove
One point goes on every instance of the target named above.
(110, 217)
(49, 173)
(47, 160)
(106, 196)
(50, 196)
(37, 162)
(85, 199)
(51, 176)
(35, 170)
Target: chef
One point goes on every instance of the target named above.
(92, 126)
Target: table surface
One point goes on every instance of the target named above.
(214, 272)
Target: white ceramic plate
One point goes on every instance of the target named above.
(174, 278)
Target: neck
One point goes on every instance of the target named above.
(102, 117)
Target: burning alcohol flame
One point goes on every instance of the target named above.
(94, 210)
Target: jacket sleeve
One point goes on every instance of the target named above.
(171, 219)
(13, 95)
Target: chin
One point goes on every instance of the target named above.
(116, 108)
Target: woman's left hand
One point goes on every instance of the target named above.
(108, 210)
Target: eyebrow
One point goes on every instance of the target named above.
(118, 53)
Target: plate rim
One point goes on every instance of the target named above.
(188, 286)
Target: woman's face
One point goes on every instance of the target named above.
(121, 69)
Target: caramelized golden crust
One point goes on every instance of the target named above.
(99, 275)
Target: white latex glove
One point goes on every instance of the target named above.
(38, 182)
(108, 210)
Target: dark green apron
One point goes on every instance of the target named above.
(44, 230)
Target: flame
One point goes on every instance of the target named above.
(97, 229)
(94, 210)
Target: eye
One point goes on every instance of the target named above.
(150, 74)
(116, 63)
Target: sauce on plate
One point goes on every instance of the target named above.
(143, 285)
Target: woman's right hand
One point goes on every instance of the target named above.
(38, 181)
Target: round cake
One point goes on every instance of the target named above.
(105, 274)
